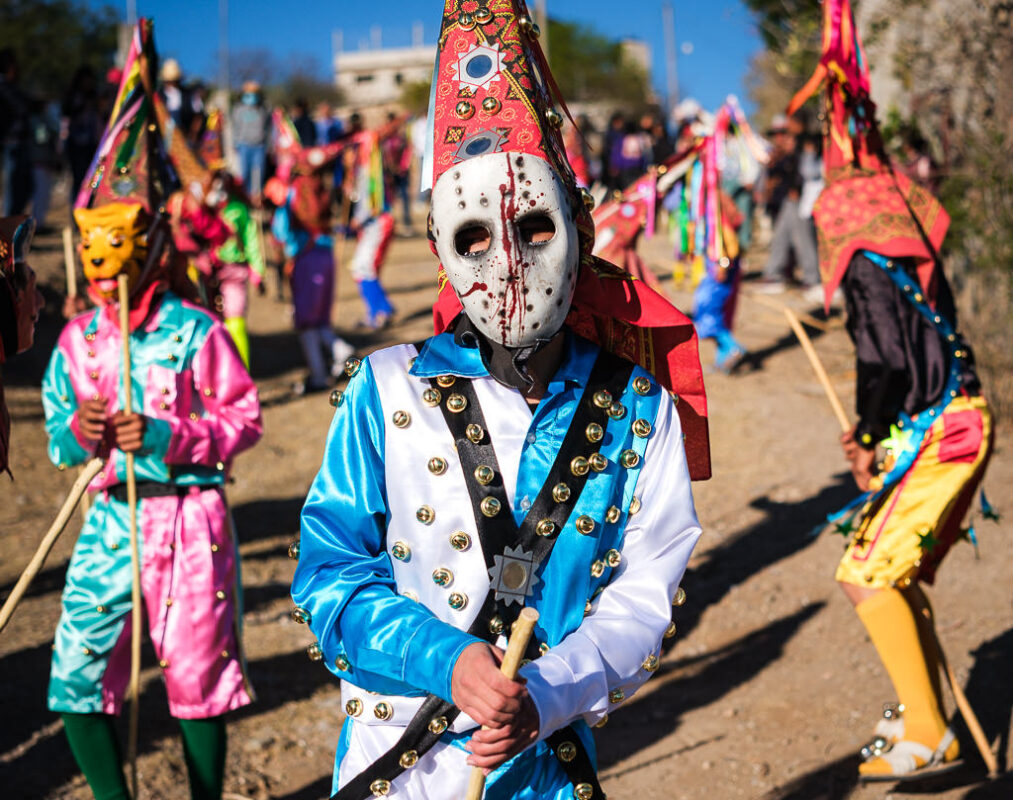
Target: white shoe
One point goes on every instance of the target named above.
(814, 294)
(341, 351)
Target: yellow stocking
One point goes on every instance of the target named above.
(894, 630)
(236, 326)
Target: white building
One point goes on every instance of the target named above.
(370, 78)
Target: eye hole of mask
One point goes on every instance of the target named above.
(536, 229)
(473, 240)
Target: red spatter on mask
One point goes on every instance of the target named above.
(476, 287)
(512, 302)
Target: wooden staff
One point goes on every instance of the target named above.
(70, 267)
(817, 365)
(89, 471)
(958, 694)
(135, 556)
(520, 635)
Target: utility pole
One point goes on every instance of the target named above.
(542, 18)
(223, 47)
(671, 69)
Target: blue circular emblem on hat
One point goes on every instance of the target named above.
(478, 146)
(479, 66)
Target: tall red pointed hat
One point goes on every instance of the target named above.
(493, 92)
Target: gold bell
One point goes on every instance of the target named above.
(560, 492)
(629, 458)
(401, 419)
(431, 397)
(602, 398)
(613, 558)
(301, 615)
(566, 752)
(437, 465)
(642, 428)
(554, 118)
(597, 569)
(425, 515)
(587, 198)
(457, 403)
(464, 110)
(474, 433)
(651, 663)
(379, 788)
(670, 630)
(594, 432)
(352, 366)
(342, 663)
(293, 549)
(496, 626)
(617, 696)
(598, 462)
(460, 541)
(635, 506)
(457, 600)
(409, 758)
(543, 648)
(315, 652)
(353, 707)
(490, 506)
(491, 105)
(443, 576)
(383, 711)
(584, 524)
(680, 597)
(446, 381)
(601, 723)
(612, 515)
(525, 24)
(545, 527)
(401, 551)
(437, 725)
(579, 466)
(583, 791)
(617, 411)
(641, 385)
(484, 474)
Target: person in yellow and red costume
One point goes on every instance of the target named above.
(195, 408)
(529, 454)
(918, 396)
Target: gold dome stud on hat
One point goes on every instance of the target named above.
(483, 15)
(491, 105)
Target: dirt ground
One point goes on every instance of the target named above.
(768, 691)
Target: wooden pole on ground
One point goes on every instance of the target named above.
(89, 471)
(135, 556)
(958, 694)
(520, 635)
(817, 365)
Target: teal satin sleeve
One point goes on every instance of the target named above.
(369, 634)
(60, 404)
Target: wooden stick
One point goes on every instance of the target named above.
(970, 718)
(69, 262)
(520, 635)
(809, 319)
(817, 365)
(135, 558)
(90, 470)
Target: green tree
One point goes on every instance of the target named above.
(52, 38)
(589, 66)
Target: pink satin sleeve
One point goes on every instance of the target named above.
(230, 422)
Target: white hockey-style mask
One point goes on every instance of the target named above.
(506, 236)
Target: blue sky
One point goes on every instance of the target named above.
(715, 37)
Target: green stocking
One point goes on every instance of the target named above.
(96, 749)
(204, 751)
